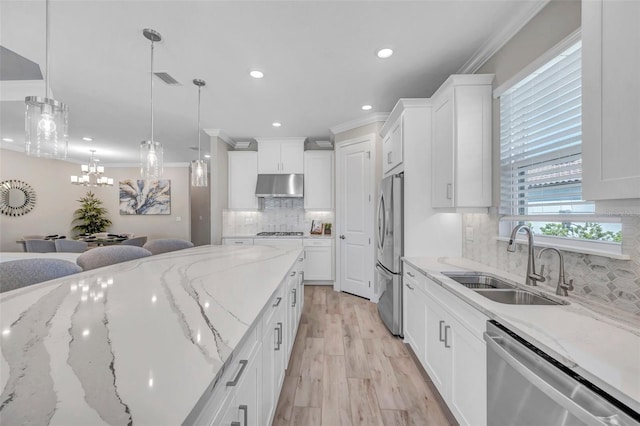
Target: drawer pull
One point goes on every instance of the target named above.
(278, 328)
(245, 409)
(410, 288)
(295, 297)
(440, 326)
(243, 365)
(410, 274)
(278, 300)
(293, 274)
(238, 242)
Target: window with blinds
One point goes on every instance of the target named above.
(541, 157)
(540, 140)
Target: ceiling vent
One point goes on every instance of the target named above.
(166, 77)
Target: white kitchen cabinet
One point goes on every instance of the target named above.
(414, 312)
(461, 143)
(243, 176)
(318, 180)
(392, 153)
(610, 100)
(281, 243)
(273, 356)
(237, 241)
(245, 404)
(318, 259)
(280, 155)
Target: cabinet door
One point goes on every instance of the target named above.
(438, 342)
(415, 318)
(442, 153)
(271, 364)
(292, 312)
(468, 398)
(247, 398)
(392, 148)
(243, 176)
(318, 263)
(318, 180)
(291, 157)
(228, 414)
(269, 157)
(610, 100)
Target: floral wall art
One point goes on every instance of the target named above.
(138, 197)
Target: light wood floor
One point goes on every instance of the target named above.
(347, 369)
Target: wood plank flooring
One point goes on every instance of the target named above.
(347, 369)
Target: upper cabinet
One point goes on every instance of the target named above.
(461, 142)
(243, 176)
(392, 148)
(610, 100)
(280, 155)
(318, 180)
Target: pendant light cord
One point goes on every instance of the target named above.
(199, 88)
(152, 140)
(46, 50)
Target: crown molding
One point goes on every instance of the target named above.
(502, 36)
(401, 105)
(359, 122)
(221, 134)
(279, 139)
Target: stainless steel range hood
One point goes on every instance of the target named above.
(280, 185)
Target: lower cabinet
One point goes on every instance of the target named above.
(446, 335)
(248, 390)
(319, 259)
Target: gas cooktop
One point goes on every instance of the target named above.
(280, 234)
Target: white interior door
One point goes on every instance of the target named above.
(355, 217)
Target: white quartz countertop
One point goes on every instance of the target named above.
(599, 348)
(137, 342)
(304, 236)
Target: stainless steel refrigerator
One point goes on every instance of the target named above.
(390, 250)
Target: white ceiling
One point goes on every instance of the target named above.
(318, 58)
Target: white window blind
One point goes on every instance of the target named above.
(540, 140)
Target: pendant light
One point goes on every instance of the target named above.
(199, 167)
(151, 155)
(46, 120)
(92, 174)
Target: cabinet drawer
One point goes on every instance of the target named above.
(414, 276)
(324, 242)
(238, 241)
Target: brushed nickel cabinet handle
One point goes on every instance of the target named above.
(446, 336)
(246, 413)
(278, 299)
(440, 326)
(243, 365)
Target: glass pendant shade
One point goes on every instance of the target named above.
(198, 173)
(46, 128)
(151, 158)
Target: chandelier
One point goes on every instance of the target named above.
(151, 154)
(46, 120)
(92, 174)
(199, 167)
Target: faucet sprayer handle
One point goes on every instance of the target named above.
(570, 286)
(542, 270)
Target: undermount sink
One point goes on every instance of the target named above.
(498, 290)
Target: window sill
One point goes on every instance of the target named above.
(566, 247)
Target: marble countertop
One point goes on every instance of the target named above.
(306, 235)
(599, 348)
(137, 342)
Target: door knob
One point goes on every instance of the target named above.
(342, 237)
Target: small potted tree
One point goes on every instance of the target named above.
(90, 218)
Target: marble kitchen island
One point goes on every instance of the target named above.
(138, 342)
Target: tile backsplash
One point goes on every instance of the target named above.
(612, 283)
(278, 215)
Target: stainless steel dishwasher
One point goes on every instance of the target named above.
(525, 386)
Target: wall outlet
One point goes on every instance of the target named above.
(469, 233)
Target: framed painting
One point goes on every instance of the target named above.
(145, 197)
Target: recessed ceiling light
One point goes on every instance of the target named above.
(256, 74)
(207, 156)
(366, 107)
(276, 124)
(87, 138)
(7, 139)
(384, 53)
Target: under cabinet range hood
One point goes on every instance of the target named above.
(280, 185)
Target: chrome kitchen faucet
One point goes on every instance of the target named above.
(562, 287)
(532, 276)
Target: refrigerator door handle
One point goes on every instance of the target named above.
(384, 272)
(381, 221)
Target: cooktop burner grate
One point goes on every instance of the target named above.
(280, 234)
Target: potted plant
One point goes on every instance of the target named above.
(90, 217)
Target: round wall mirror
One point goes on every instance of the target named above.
(16, 197)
